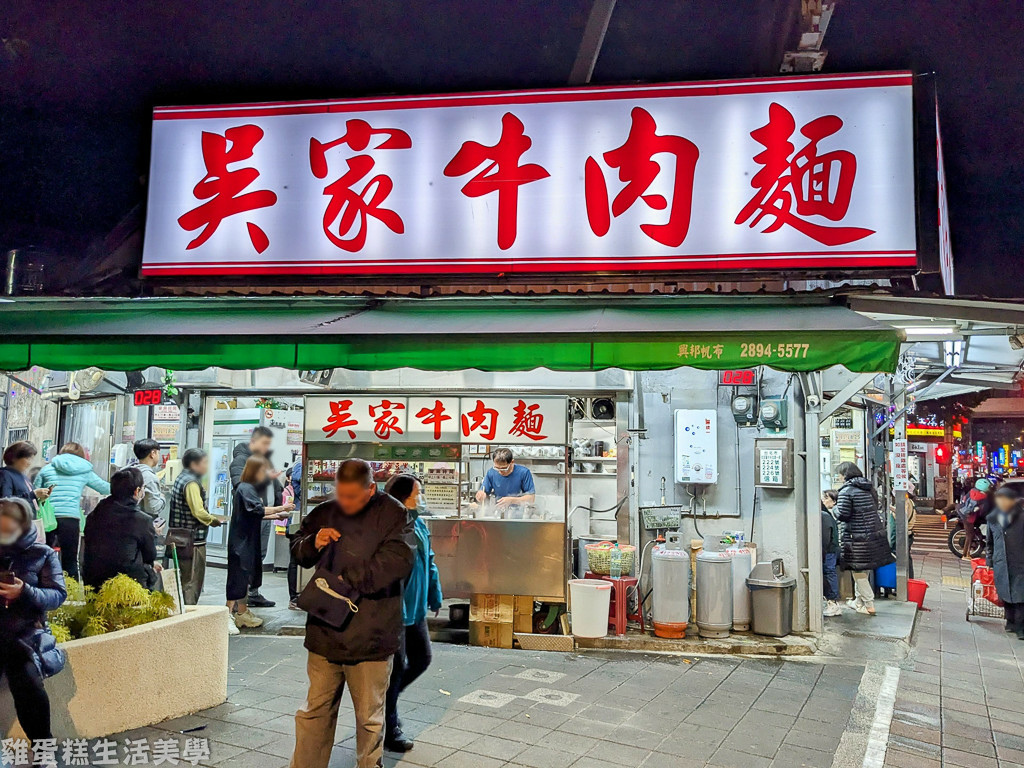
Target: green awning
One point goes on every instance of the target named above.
(488, 333)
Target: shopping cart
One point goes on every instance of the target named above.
(982, 599)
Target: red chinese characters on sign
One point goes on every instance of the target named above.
(480, 419)
(528, 421)
(502, 173)
(637, 167)
(792, 185)
(340, 418)
(385, 421)
(345, 217)
(434, 416)
(222, 187)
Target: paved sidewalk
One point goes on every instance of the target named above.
(960, 700)
(484, 708)
(952, 696)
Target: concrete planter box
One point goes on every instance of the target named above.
(136, 677)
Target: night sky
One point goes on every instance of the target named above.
(76, 98)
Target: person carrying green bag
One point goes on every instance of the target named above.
(47, 516)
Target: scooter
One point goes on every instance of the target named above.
(958, 537)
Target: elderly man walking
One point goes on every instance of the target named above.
(363, 545)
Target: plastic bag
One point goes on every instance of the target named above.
(48, 517)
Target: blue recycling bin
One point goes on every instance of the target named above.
(885, 577)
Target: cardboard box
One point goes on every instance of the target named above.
(490, 634)
(522, 620)
(492, 608)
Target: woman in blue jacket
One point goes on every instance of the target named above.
(68, 475)
(422, 592)
(31, 584)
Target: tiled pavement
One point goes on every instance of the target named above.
(483, 708)
(961, 695)
(959, 702)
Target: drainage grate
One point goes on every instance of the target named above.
(955, 581)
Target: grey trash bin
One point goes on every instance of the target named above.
(771, 593)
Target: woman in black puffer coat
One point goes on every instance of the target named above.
(864, 542)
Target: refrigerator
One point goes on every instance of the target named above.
(230, 429)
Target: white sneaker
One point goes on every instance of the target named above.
(867, 611)
(832, 608)
(854, 603)
(248, 619)
(232, 627)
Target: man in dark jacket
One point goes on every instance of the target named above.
(259, 443)
(1005, 540)
(366, 538)
(119, 536)
(864, 543)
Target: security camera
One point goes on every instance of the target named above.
(813, 401)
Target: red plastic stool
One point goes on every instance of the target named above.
(618, 612)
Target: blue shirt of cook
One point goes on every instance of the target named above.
(518, 482)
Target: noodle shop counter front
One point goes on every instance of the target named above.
(480, 545)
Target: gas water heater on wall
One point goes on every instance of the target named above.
(696, 446)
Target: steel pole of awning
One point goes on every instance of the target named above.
(810, 386)
(593, 39)
(900, 512)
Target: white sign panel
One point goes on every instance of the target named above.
(900, 466)
(945, 247)
(525, 420)
(767, 174)
(771, 466)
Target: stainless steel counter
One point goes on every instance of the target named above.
(509, 557)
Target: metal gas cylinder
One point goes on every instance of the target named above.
(714, 593)
(742, 563)
(670, 573)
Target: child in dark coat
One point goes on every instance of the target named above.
(1006, 555)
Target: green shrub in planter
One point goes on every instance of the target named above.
(121, 602)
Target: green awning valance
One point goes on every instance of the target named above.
(492, 334)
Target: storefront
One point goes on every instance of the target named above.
(787, 176)
(619, 368)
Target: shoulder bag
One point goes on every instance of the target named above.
(327, 596)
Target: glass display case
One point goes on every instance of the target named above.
(439, 467)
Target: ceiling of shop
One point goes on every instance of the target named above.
(980, 332)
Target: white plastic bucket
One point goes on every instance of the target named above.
(590, 603)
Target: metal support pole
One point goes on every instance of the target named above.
(593, 39)
(812, 509)
(900, 513)
(953, 464)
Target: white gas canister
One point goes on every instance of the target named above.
(670, 572)
(742, 563)
(714, 593)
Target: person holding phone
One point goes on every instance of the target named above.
(31, 584)
(365, 539)
(247, 515)
(14, 482)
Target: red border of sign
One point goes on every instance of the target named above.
(768, 261)
(586, 93)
